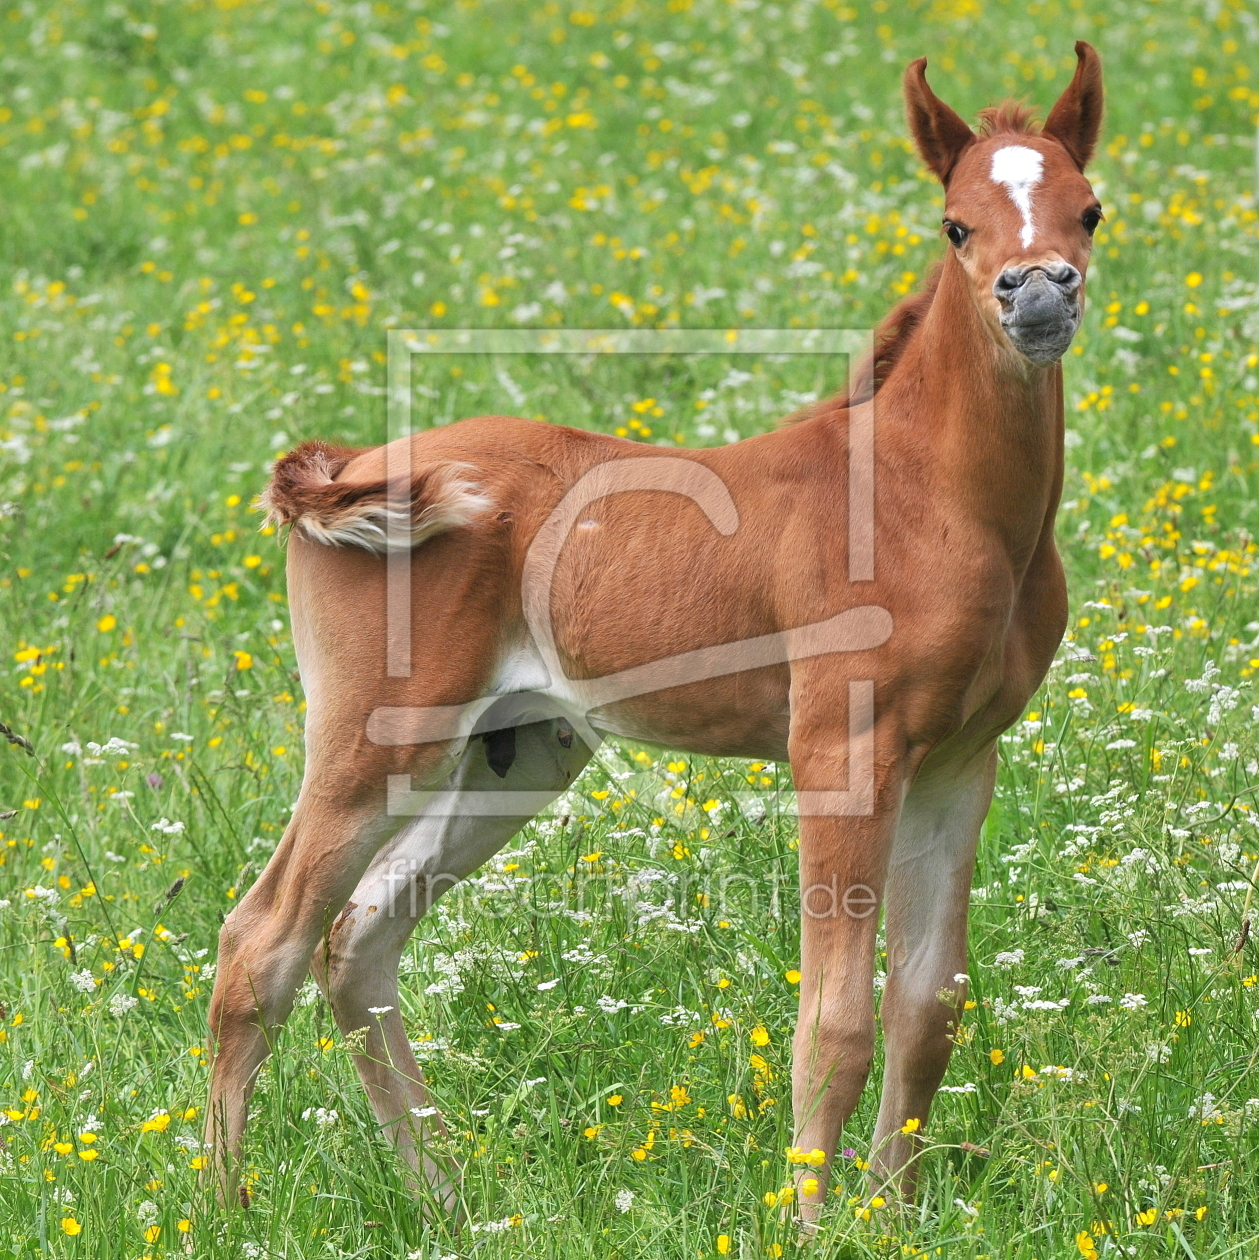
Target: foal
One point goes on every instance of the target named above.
(563, 584)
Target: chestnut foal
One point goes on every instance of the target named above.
(671, 552)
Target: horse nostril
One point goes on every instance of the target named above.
(1064, 275)
(1009, 281)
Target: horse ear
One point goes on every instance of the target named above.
(940, 134)
(1077, 118)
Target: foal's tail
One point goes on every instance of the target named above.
(304, 493)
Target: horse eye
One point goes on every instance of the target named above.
(1091, 219)
(956, 233)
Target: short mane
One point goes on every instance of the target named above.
(1008, 118)
(891, 338)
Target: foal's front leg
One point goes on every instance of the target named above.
(928, 895)
(843, 859)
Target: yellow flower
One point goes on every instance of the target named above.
(910, 1126)
(760, 1036)
(198, 1163)
(996, 1057)
(71, 1226)
(1087, 1247)
(793, 976)
(243, 659)
(723, 1244)
(157, 1123)
(616, 1100)
(153, 1233)
(252, 562)
(638, 1153)
(104, 625)
(1148, 1217)
(183, 1226)
(1193, 279)
(89, 1154)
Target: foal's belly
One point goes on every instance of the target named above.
(742, 715)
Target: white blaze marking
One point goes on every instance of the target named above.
(1018, 168)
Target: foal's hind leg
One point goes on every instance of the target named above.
(357, 963)
(266, 942)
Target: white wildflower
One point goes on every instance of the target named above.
(325, 1117)
(1205, 1110)
(1061, 1073)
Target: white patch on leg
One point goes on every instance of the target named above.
(1019, 169)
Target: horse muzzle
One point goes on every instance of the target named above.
(1040, 308)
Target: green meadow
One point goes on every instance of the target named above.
(213, 213)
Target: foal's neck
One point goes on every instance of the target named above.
(989, 422)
